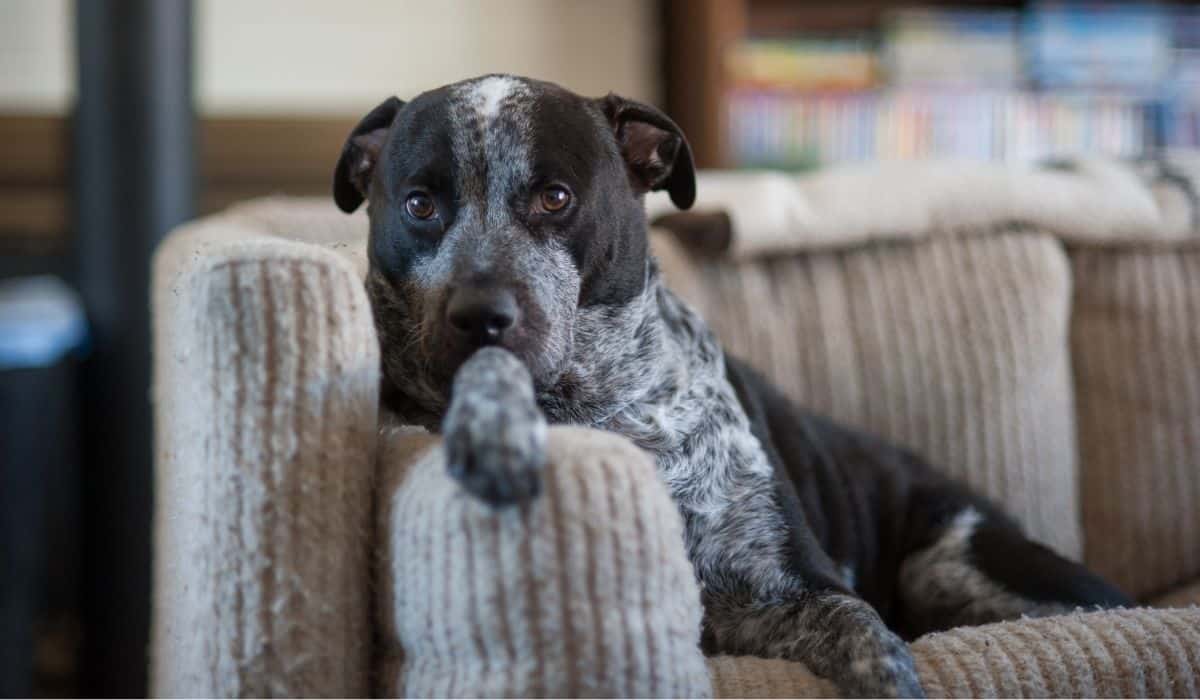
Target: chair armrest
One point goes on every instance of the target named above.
(587, 591)
(1141, 652)
(266, 377)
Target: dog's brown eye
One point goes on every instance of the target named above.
(555, 198)
(419, 205)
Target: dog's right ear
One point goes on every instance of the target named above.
(361, 153)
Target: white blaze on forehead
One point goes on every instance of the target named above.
(488, 94)
(491, 159)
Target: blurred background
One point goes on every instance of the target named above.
(121, 119)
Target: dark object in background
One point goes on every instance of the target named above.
(134, 179)
(41, 330)
(705, 232)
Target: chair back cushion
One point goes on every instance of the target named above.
(1135, 336)
(954, 347)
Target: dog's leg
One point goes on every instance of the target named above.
(976, 567)
(494, 432)
(837, 635)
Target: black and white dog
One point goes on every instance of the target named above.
(512, 286)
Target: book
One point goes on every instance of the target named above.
(1077, 45)
(804, 64)
(951, 48)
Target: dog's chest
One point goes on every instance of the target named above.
(716, 470)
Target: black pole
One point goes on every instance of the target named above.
(134, 176)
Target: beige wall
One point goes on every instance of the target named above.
(37, 67)
(344, 56)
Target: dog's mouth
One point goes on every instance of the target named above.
(446, 357)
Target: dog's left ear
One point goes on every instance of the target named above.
(361, 153)
(655, 150)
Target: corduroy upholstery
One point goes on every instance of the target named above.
(587, 592)
(971, 370)
(266, 381)
(1135, 335)
(974, 340)
(1118, 654)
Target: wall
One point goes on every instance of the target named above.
(37, 67)
(316, 57)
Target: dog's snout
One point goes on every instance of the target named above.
(482, 314)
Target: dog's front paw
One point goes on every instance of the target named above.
(494, 432)
(882, 667)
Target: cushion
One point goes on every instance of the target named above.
(266, 382)
(769, 213)
(1113, 654)
(587, 592)
(1136, 353)
(955, 347)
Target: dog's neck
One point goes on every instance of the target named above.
(635, 358)
(654, 372)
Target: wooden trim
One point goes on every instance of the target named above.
(240, 158)
(698, 32)
(33, 212)
(275, 151)
(33, 150)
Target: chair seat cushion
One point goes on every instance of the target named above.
(1121, 653)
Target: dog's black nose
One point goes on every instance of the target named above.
(482, 314)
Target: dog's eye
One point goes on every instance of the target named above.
(420, 206)
(555, 198)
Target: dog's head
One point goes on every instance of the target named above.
(500, 207)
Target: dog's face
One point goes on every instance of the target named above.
(500, 208)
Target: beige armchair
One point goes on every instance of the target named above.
(1052, 362)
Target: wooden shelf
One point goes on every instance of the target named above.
(239, 158)
(697, 33)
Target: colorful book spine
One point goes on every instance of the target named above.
(804, 64)
(1119, 79)
(1097, 45)
(770, 129)
(951, 48)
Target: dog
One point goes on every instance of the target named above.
(512, 287)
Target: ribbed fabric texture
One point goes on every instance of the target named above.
(751, 677)
(587, 592)
(266, 384)
(1119, 654)
(1136, 346)
(956, 348)
(1125, 653)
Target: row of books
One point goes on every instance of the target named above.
(966, 48)
(1052, 45)
(999, 84)
(771, 129)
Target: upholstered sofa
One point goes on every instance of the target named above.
(1034, 330)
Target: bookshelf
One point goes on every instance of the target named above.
(1035, 111)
